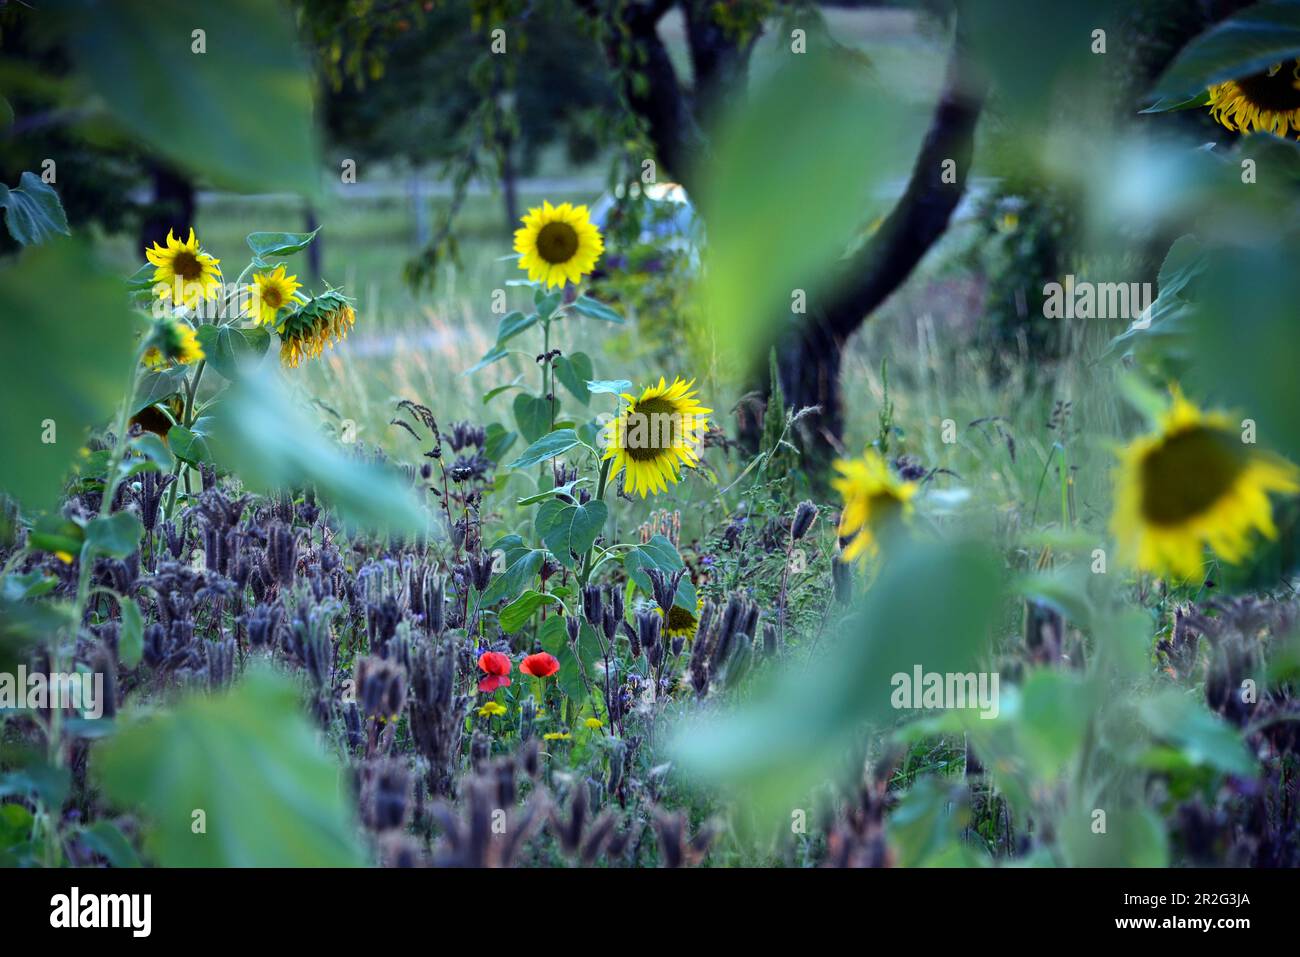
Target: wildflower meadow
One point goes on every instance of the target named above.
(626, 434)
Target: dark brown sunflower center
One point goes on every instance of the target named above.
(651, 429)
(1277, 93)
(187, 265)
(1188, 473)
(272, 297)
(679, 619)
(557, 242)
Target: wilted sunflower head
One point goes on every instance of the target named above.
(319, 322)
(1193, 483)
(681, 622)
(1267, 102)
(271, 292)
(558, 244)
(185, 274)
(655, 436)
(874, 500)
(172, 341)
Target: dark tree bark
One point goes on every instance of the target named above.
(809, 349)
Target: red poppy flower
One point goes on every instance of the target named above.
(540, 665)
(496, 666)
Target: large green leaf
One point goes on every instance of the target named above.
(515, 614)
(576, 669)
(522, 564)
(570, 528)
(241, 112)
(534, 414)
(1247, 42)
(547, 447)
(789, 184)
(932, 604)
(272, 444)
(1202, 736)
(116, 535)
(66, 346)
(232, 350)
(659, 554)
(33, 212)
(266, 245)
(252, 763)
(574, 372)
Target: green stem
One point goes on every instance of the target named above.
(600, 495)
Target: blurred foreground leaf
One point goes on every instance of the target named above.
(932, 605)
(271, 444)
(251, 762)
(66, 344)
(790, 183)
(240, 111)
(1248, 42)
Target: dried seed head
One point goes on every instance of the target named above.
(803, 519)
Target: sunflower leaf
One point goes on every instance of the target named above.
(534, 415)
(609, 386)
(33, 211)
(547, 447)
(513, 324)
(575, 371)
(592, 309)
(1249, 42)
(279, 244)
(154, 387)
(516, 614)
(519, 572)
(116, 535)
(659, 554)
(570, 528)
(231, 350)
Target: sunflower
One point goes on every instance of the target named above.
(172, 341)
(1190, 484)
(873, 500)
(655, 436)
(558, 244)
(681, 622)
(271, 292)
(185, 273)
(317, 323)
(1267, 102)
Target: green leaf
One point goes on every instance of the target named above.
(192, 445)
(116, 535)
(516, 614)
(15, 825)
(1202, 736)
(494, 354)
(1172, 104)
(497, 441)
(659, 553)
(523, 565)
(104, 838)
(1053, 719)
(570, 528)
(54, 533)
(58, 312)
(513, 324)
(130, 641)
(230, 350)
(154, 387)
(1134, 837)
(554, 637)
(241, 112)
(547, 447)
(33, 211)
(928, 821)
(609, 386)
(574, 371)
(252, 763)
(153, 449)
(592, 309)
(772, 749)
(287, 450)
(534, 414)
(264, 245)
(1248, 42)
(50, 785)
(547, 302)
(762, 173)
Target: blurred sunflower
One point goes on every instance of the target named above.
(1267, 102)
(558, 244)
(184, 268)
(319, 322)
(874, 498)
(172, 341)
(1193, 483)
(655, 436)
(681, 622)
(271, 292)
